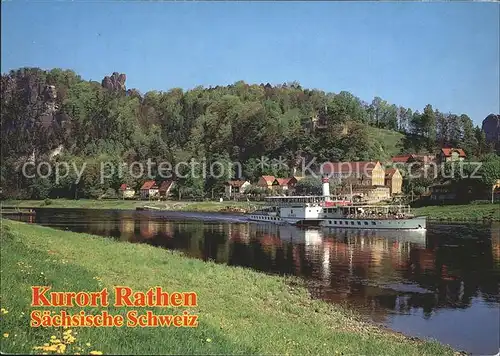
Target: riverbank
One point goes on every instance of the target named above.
(240, 311)
(203, 206)
(465, 212)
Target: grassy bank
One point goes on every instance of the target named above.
(389, 140)
(240, 311)
(467, 212)
(204, 206)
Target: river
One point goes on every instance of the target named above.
(442, 284)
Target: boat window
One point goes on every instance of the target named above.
(359, 222)
(291, 211)
(335, 222)
(352, 222)
(366, 222)
(374, 223)
(329, 221)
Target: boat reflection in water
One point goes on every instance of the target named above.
(442, 283)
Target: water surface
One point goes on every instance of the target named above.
(442, 284)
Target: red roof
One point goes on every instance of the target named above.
(235, 183)
(390, 172)
(123, 186)
(268, 178)
(348, 167)
(165, 185)
(148, 184)
(282, 181)
(401, 159)
(423, 158)
(448, 151)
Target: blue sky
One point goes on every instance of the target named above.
(410, 54)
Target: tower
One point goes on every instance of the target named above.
(326, 188)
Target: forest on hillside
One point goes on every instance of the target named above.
(95, 122)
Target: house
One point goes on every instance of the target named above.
(425, 159)
(365, 173)
(126, 192)
(165, 188)
(371, 193)
(280, 184)
(451, 155)
(235, 188)
(443, 192)
(292, 182)
(393, 180)
(266, 182)
(401, 159)
(411, 158)
(149, 190)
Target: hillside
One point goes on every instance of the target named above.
(93, 123)
(391, 142)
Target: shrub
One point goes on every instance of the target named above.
(479, 202)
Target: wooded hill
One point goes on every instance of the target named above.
(93, 122)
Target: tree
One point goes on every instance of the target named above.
(483, 147)
(428, 122)
(309, 186)
(404, 118)
(490, 172)
(42, 110)
(468, 142)
(442, 129)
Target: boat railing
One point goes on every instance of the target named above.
(375, 211)
(379, 217)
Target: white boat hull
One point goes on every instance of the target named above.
(401, 236)
(283, 220)
(416, 223)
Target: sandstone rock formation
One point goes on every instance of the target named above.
(491, 128)
(115, 82)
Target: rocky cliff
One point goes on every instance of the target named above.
(491, 129)
(115, 82)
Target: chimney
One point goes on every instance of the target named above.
(326, 188)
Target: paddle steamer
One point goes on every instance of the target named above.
(336, 213)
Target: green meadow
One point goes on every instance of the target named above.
(240, 311)
(464, 212)
(202, 206)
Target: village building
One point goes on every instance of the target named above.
(292, 182)
(367, 179)
(370, 193)
(165, 188)
(235, 188)
(362, 173)
(451, 155)
(280, 184)
(412, 158)
(126, 192)
(266, 182)
(401, 159)
(149, 190)
(443, 192)
(394, 180)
